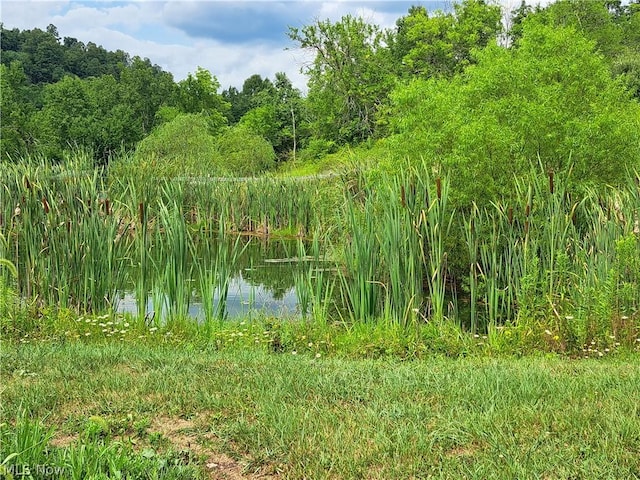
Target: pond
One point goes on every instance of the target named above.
(261, 281)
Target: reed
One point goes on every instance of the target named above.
(434, 225)
(315, 280)
(472, 243)
(402, 263)
(552, 258)
(362, 289)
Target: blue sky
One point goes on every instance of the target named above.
(232, 39)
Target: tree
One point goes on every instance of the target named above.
(89, 113)
(62, 121)
(246, 99)
(182, 146)
(14, 110)
(348, 80)
(278, 115)
(199, 94)
(244, 153)
(44, 60)
(110, 118)
(441, 44)
(146, 88)
(552, 99)
(594, 19)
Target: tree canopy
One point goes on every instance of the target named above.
(472, 89)
(552, 100)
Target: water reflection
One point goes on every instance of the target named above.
(261, 282)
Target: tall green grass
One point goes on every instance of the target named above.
(558, 264)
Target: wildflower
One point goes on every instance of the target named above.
(126, 325)
(548, 332)
(87, 334)
(294, 353)
(318, 355)
(310, 344)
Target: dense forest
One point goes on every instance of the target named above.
(474, 90)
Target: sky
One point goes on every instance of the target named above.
(231, 39)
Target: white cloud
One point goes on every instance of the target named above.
(144, 28)
(30, 14)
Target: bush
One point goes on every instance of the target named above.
(244, 153)
(180, 147)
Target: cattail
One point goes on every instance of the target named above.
(45, 204)
(526, 227)
(27, 183)
(527, 210)
(439, 188)
(141, 213)
(107, 209)
(551, 181)
(510, 215)
(68, 226)
(403, 199)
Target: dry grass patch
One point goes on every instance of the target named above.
(183, 435)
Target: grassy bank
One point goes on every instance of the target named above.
(191, 410)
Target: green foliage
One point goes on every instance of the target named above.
(250, 96)
(47, 58)
(552, 99)
(278, 115)
(441, 44)
(145, 88)
(183, 146)
(357, 416)
(199, 94)
(15, 110)
(349, 78)
(244, 153)
(26, 451)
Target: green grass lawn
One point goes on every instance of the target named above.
(195, 412)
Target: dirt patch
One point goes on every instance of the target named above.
(62, 441)
(463, 451)
(182, 435)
